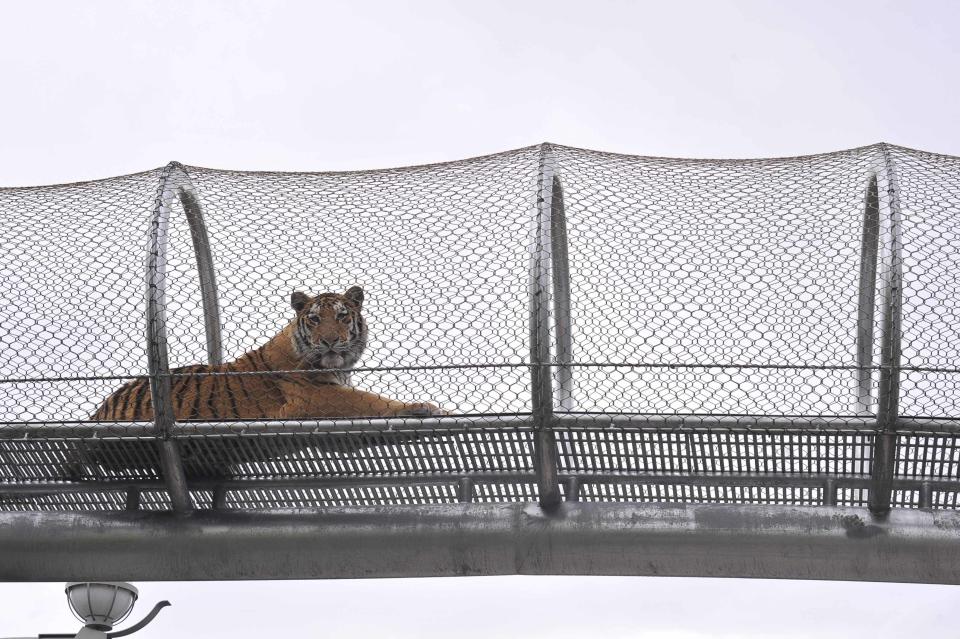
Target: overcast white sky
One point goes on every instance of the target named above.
(103, 88)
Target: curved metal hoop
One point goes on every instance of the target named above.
(888, 393)
(175, 181)
(541, 382)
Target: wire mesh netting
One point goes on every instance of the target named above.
(711, 330)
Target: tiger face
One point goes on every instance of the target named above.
(329, 330)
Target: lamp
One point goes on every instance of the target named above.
(101, 605)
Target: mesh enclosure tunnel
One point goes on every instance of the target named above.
(543, 324)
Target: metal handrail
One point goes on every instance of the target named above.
(440, 425)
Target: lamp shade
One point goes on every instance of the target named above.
(101, 605)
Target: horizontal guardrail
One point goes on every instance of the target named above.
(800, 423)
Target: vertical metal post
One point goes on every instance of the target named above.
(830, 492)
(465, 490)
(208, 282)
(573, 489)
(158, 366)
(925, 496)
(219, 500)
(544, 444)
(888, 395)
(866, 303)
(133, 499)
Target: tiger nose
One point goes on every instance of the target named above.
(327, 345)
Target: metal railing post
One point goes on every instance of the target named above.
(572, 489)
(205, 270)
(157, 361)
(866, 304)
(219, 500)
(830, 492)
(883, 464)
(544, 445)
(465, 490)
(925, 497)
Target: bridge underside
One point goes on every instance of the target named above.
(484, 539)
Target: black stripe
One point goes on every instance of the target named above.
(129, 403)
(229, 391)
(178, 393)
(264, 366)
(195, 408)
(109, 408)
(121, 408)
(293, 378)
(211, 396)
(263, 362)
(103, 413)
(141, 393)
(302, 336)
(130, 407)
(247, 394)
(296, 378)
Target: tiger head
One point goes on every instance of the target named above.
(329, 331)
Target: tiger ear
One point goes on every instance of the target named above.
(298, 300)
(355, 295)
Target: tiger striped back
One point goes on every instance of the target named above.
(328, 332)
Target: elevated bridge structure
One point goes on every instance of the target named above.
(650, 366)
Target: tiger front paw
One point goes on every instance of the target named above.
(424, 409)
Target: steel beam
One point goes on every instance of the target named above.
(485, 539)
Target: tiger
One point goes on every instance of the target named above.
(324, 340)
